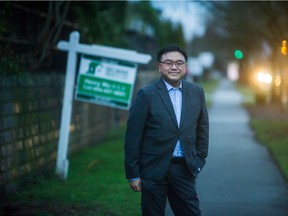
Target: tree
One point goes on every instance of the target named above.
(49, 35)
(257, 28)
(101, 22)
(29, 31)
(164, 31)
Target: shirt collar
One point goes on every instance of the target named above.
(170, 87)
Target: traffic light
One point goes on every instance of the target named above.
(284, 47)
(238, 54)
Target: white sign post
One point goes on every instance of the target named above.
(73, 47)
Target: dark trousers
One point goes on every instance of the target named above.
(178, 185)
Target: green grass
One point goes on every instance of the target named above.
(247, 93)
(273, 134)
(269, 132)
(209, 87)
(96, 185)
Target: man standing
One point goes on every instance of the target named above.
(166, 140)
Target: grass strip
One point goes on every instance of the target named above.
(273, 134)
(209, 87)
(270, 126)
(96, 185)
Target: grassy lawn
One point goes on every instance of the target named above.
(273, 134)
(209, 86)
(270, 124)
(96, 185)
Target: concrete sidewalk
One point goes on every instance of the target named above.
(240, 177)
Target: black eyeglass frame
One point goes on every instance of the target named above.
(170, 64)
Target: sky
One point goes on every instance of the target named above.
(189, 13)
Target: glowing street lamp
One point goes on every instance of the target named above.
(284, 47)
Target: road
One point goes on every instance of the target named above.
(240, 177)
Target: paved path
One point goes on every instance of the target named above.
(240, 178)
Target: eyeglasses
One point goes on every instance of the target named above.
(169, 64)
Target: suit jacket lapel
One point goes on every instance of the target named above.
(187, 103)
(164, 95)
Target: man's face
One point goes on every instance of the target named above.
(172, 67)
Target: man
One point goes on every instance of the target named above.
(166, 139)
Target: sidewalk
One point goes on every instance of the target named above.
(240, 178)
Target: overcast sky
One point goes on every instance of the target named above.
(189, 13)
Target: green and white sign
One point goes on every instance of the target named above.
(106, 81)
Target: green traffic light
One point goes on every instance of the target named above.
(238, 54)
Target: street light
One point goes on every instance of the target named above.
(284, 47)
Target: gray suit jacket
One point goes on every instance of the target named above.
(152, 131)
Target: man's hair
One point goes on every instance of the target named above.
(170, 48)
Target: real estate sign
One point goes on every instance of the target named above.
(106, 76)
(106, 81)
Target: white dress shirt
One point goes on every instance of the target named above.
(176, 99)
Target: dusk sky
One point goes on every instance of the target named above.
(190, 14)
